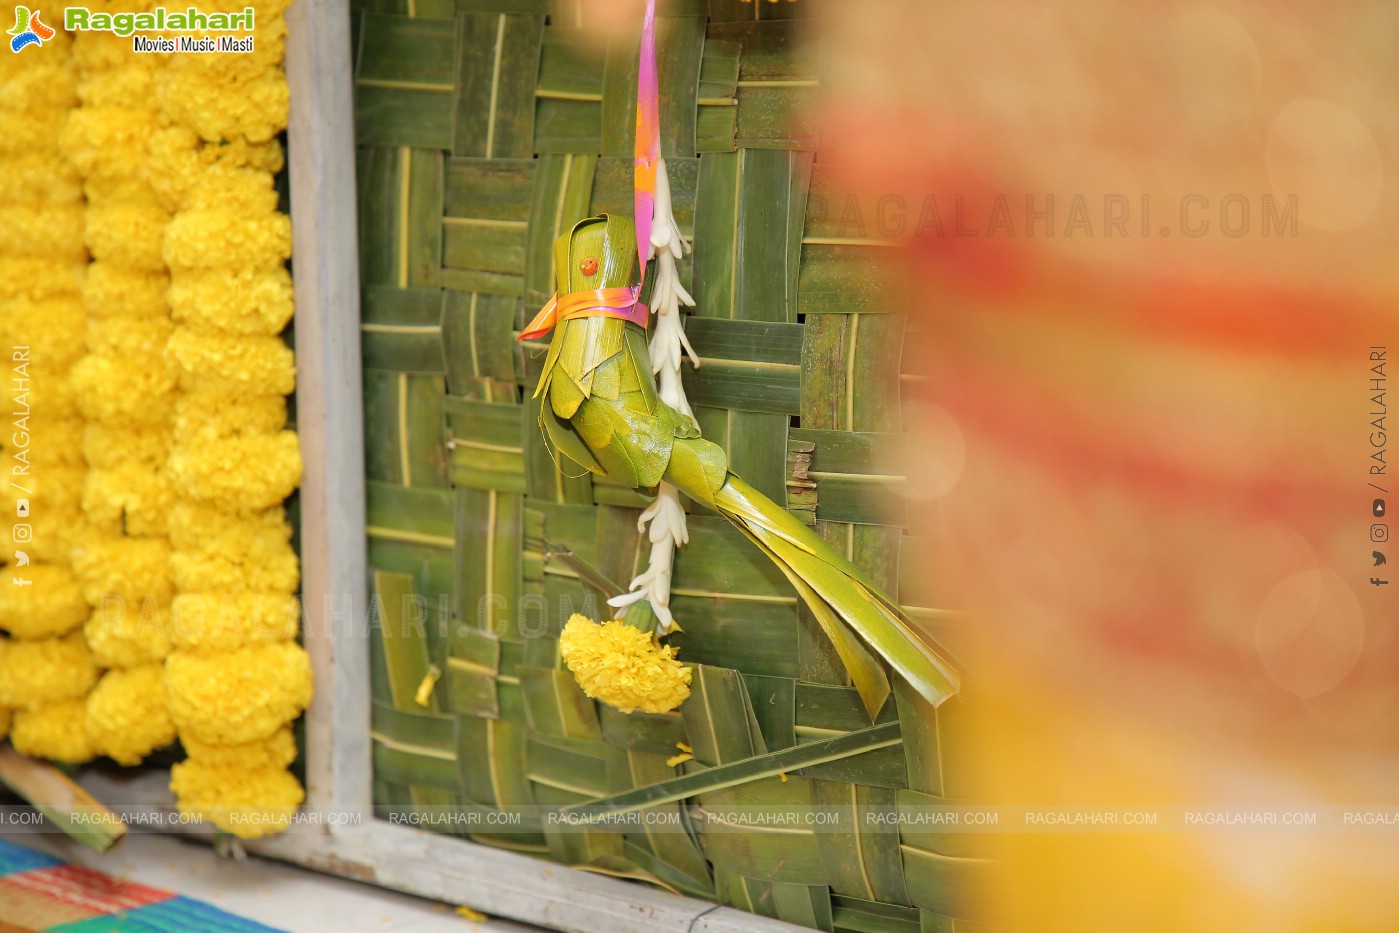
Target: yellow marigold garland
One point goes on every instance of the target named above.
(46, 668)
(181, 387)
(123, 385)
(236, 677)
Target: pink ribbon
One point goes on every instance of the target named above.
(648, 135)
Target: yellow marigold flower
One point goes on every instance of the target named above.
(44, 83)
(56, 488)
(125, 635)
(47, 327)
(215, 416)
(109, 142)
(135, 339)
(210, 361)
(220, 552)
(36, 673)
(52, 230)
(623, 666)
(242, 474)
(258, 111)
(132, 80)
(129, 233)
(106, 447)
(193, 525)
(37, 277)
(55, 532)
(238, 696)
(54, 731)
(54, 444)
(104, 51)
(276, 751)
(51, 604)
(225, 621)
(240, 300)
(113, 289)
(37, 177)
(30, 131)
(121, 395)
(248, 802)
(116, 190)
(134, 498)
(219, 237)
(5, 716)
(224, 187)
(132, 568)
(127, 718)
(179, 159)
(51, 393)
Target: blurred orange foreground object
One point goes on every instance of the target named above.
(1162, 427)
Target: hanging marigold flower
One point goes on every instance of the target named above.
(54, 731)
(623, 666)
(212, 238)
(108, 448)
(34, 178)
(132, 497)
(220, 552)
(123, 635)
(242, 300)
(46, 671)
(116, 393)
(211, 361)
(139, 340)
(114, 290)
(248, 802)
(238, 696)
(225, 621)
(51, 603)
(126, 714)
(277, 751)
(133, 569)
(47, 327)
(214, 416)
(240, 474)
(127, 233)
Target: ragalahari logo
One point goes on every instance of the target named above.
(29, 30)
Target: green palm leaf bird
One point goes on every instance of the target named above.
(601, 411)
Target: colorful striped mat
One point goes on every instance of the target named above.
(40, 892)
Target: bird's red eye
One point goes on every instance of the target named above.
(588, 266)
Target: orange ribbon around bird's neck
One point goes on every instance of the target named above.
(620, 302)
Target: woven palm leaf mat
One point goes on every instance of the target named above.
(485, 128)
(40, 892)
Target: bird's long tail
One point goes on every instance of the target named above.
(842, 599)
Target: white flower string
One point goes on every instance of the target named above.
(665, 516)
